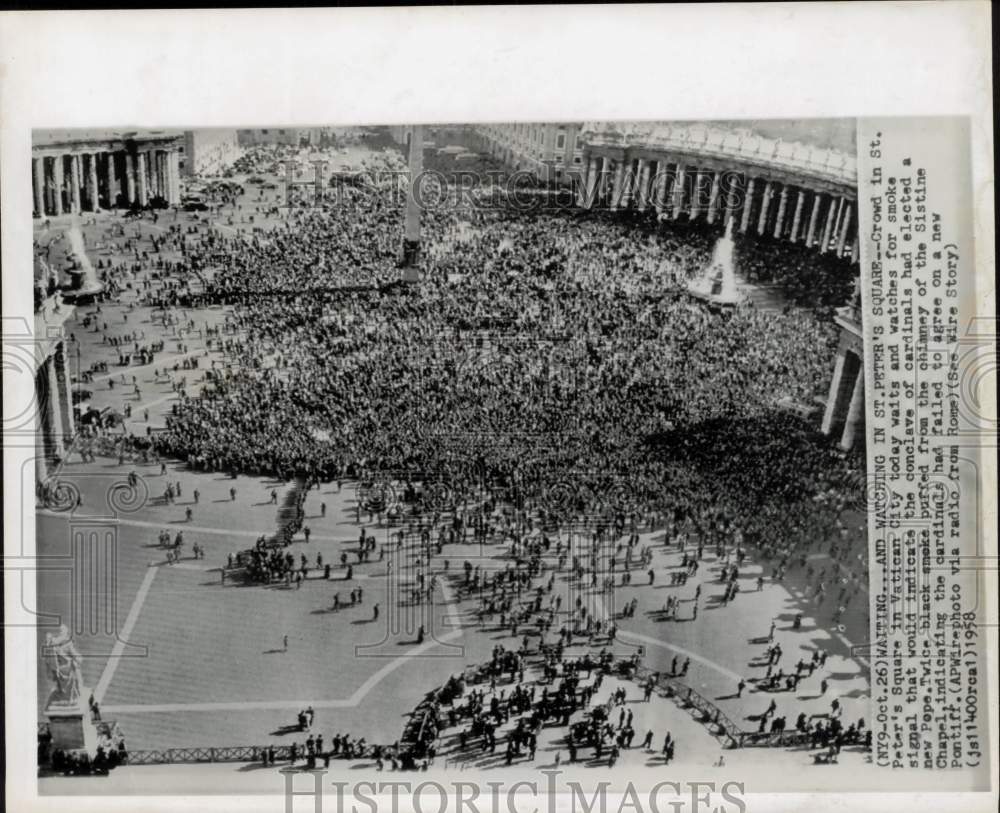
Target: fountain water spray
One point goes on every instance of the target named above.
(718, 282)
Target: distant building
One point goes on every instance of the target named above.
(552, 152)
(208, 151)
(269, 135)
(297, 136)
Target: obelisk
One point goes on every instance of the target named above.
(411, 235)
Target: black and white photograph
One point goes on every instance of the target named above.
(604, 452)
(553, 453)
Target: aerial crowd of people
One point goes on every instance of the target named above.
(549, 387)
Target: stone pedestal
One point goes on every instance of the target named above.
(70, 725)
(411, 256)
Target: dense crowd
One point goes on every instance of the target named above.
(549, 374)
(542, 352)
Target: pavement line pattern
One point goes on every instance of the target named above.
(626, 636)
(344, 703)
(123, 636)
(201, 529)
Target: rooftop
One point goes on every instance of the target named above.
(42, 138)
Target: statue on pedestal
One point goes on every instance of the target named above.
(62, 662)
(71, 723)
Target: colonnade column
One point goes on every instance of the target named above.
(41, 438)
(838, 218)
(142, 167)
(112, 181)
(831, 399)
(58, 181)
(38, 184)
(782, 204)
(764, 205)
(642, 191)
(678, 196)
(854, 411)
(64, 391)
(150, 175)
(584, 182)
(660, 198)
(845, 225)
(593, 179)
(155, 178)
(74, 183)
(175, 175)
(829, 225)
(616, 190)
(130, 185)
(630, 183)
(713, 197)
(604, 177)
(747, 206)
(53, 418)
(731, 200)
(797, 217)
(695, 208)
(813, 218)
(85, 188)
(95, 203)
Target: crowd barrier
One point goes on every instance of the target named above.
(718, 723)
(232, 753)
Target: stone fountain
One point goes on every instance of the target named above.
(717, 285)
(84, 275)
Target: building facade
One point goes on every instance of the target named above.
(208, 152)
(791, 191)
(552, 153)
(80, 171)
(844, 416)
(268, 135)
